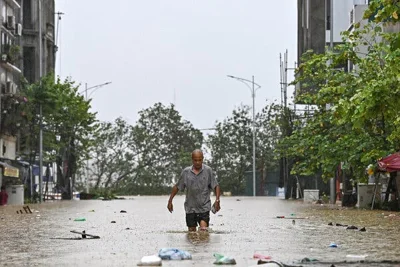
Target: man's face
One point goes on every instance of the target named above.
(197, 160)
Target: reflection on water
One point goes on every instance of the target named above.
(240, 229)
(198, 237)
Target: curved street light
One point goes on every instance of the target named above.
(253, 95)
(94, 88)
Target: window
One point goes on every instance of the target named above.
(27, 14)
(328, 14)
(29, 63)
(4, 13)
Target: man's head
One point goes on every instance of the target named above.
(197, 159)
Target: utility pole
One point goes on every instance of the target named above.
(253, 95)
(332, 180)
(40, 106)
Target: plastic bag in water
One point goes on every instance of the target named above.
(221, 259)
(174, 254)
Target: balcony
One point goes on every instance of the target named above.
(14, 4)
(10, 54)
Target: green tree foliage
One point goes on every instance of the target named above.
(231, 147)
(147, 157)
(383, 11)
(356, 118)
(67, 124)
(231, 150)
(114, 153)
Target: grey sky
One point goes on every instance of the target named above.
(151, 49)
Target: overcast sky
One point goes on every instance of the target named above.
(175, 51)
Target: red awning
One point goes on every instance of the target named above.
(390, 163)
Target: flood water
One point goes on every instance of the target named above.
(244, 226)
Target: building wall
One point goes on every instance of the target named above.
(313, 23)
(8, 147)
(10, 74)
(341, 17)
(30, 38)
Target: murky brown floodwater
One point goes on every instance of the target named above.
(239, 230)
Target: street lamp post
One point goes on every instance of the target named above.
(87, 98)
(253, 95)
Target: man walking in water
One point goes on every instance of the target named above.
(199, 181)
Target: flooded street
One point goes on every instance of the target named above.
(244, 226)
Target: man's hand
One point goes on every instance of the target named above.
(217, 206)
(170, 207)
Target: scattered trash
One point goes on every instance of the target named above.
(304, 260)
(113, 222)
(261, 257)
(153, 260)
(352, 227)
(127, 228)
(237, 199)
(333, 245)
(91, 210)
(293, 222)
(26, 209)
(221, 259)
(80, 220)
(292, 214)
(174, 254)
(85, 235)
(363, 229)
(280, 217)
(356, 257)
(331, 224)
(123, 211)
(270, 263)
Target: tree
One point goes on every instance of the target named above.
(356, 120)
(147, 157)
(114, 153)
(166, 141)
(66, 123)
(231, 150)
(231, 147)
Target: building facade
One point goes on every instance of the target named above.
(30, 38)
(314, 29)
(22, 23)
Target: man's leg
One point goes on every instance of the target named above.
(191, 222)
(204, 220)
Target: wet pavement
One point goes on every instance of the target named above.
(244, 226)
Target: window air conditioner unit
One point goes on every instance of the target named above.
(18, 29)
(11, 22)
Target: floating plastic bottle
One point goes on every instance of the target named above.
(80, 220)
(223, 260)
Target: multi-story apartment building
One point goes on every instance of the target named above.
(22, 23)
(314, 29)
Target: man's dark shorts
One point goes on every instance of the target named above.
(192, 219)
